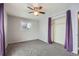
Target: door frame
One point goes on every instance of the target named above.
(52, 25)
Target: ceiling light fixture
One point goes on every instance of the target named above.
(36, 9)
(36, 13)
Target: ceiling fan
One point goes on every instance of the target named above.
(36, 10)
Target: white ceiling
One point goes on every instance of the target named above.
(21, 10)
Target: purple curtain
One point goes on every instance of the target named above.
(2, 37)
(49, 30)
(69, 35)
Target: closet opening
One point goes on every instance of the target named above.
(58, 29)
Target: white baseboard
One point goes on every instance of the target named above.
(59, 42)
(20, 41)
(44, 40)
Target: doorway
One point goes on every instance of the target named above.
(58, 30)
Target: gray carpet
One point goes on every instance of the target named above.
(36, 48)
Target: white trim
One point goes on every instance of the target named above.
(60, 14)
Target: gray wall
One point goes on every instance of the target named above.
(44, 29)
(15, 34)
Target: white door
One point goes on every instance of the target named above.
(59, 29)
